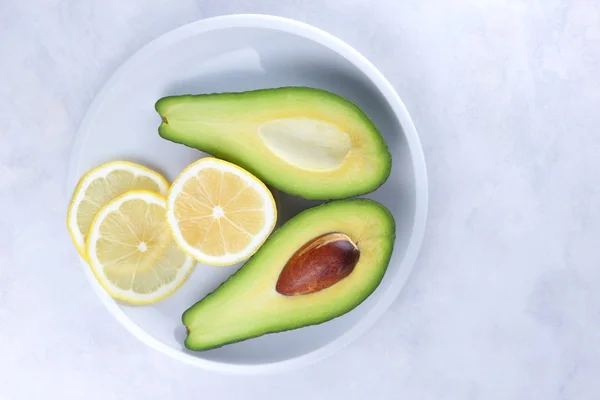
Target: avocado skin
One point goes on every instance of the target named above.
(267, 169)
(210, 303)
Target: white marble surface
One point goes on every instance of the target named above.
(504, 302)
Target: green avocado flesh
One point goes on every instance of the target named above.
(248, 305)
(303, 141)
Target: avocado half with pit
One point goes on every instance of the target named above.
(318, 266)
(303, 141)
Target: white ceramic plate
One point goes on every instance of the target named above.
(237, 53)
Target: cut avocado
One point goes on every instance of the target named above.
(250, 303)
(303, 141)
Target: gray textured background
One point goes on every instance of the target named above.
(504, 302)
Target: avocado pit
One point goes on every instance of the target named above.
(318, 264)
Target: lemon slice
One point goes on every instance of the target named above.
(102, 184)
(219, 213)
(131, 251)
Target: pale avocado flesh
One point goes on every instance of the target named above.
(247, 304)
(303, 141)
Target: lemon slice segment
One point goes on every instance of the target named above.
(219, 213)
(102, 184)
(131, 251)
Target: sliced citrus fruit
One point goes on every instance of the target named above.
(131, 251)
(101, 185)
(219, 213)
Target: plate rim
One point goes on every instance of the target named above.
(393, 99)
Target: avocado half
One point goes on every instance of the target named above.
(248, 304)
(307, 142)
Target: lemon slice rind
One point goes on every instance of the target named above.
(96, 266)
(253, 182)
(101, 172)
